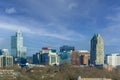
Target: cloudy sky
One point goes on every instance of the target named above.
(60, 22)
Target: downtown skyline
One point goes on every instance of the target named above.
(60, 22)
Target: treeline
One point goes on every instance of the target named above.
(65, 72)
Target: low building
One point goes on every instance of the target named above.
(80, 57)
(6, 61)
(113, 60)
(46, 56)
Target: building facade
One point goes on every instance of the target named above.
(97, 50)
(113, 60)
(47, 56)
(6, 61)
(65, 57)
(18, 50)
(67, 48)
(65, 54)
(80, 57)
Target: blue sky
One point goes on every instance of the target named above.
(60, 22)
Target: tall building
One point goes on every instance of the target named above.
(113, 60)
(97, 50)
(18, 50)
(80, 57)
(66, 48)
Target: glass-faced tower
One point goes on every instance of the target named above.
(17, 48)
(97, 50)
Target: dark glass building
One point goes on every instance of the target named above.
(66, 48)
(97, 50)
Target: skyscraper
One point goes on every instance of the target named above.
(17, 48)
(97, 50)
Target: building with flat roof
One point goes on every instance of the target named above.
(80, 57)
(67, 48)
(46, 56)
(6, 61)
(113, 60)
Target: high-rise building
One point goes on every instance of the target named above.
(18, 50)
(97, 50)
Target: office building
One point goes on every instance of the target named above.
(65, 54)
(18, 50)
(65, 57)
(66, 48)
(97, 50)
(80, 57)
(113, 60)
(47, 56)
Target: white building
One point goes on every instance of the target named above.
(51, 55)
(18, 50)
(113, 60)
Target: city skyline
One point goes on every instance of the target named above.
(60, 22)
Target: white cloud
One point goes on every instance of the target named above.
(72, 5)
(10, 10)
(64, 35)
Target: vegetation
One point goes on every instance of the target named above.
(65, 72)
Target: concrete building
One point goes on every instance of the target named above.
(97, 50)
(80, 57)
(18, 50)
(6, 61)
(113, 60)
(53, 59)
